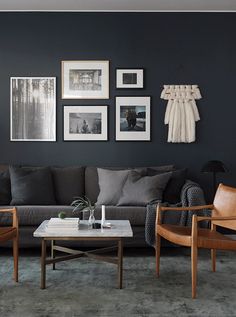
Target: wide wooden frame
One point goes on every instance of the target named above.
(66, 93)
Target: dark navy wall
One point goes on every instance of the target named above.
(173, 48)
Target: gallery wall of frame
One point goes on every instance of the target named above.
(33, 105)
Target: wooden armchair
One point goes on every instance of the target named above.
(11, 233)
(223, 214)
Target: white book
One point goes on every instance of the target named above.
(63, 223)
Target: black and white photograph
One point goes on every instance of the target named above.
(33, 109)
(133, 118)
(129, 78)
(85, 79)
(85, 123)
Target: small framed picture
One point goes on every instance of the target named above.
(133, 118)
(85, 123)
(33, 109)
(85, 79)
(129, 78)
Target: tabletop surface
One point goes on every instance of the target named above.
(119, 229)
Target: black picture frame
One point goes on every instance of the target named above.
(140, 77)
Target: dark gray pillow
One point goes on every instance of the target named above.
(5, 188)
(139, 191)
(31, 186)
(173, 189)
(68, 183)
(162, 168)
(111, 184)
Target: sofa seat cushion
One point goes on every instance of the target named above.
(136, 215)
(34, 215)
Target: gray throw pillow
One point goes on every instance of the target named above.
(111, 184)
(139, 191)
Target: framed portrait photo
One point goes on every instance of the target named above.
(133, 118)
(33, 109)
(129, 78)
(85, 123)
(85, 79)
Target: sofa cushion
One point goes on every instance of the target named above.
(68, 183)
(111, 184)
(173, 189)
(35, 215)
(31, 186)
(135, 214)
(91, 179)
(139, 190)
(5, 188)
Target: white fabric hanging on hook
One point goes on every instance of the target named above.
(181, 112)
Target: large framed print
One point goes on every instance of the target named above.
(129, 78)
(85, 123)
(133, 118)
(85, 79)
(33, 109)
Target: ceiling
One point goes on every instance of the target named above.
(118, 5)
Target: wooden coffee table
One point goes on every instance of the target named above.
(120, 229)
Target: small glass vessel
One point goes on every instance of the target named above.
(91, 220)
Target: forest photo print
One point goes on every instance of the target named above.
(33, 109)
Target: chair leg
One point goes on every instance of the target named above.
(213, 259)
(15, 255)
(158, 251)
(194, 252)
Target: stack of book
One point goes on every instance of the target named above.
(66, 224)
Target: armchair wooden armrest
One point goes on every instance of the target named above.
(185, 208)
(14, 215)
(193, 208)
(202, 218)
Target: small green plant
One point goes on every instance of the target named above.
(82, 204)
(62, 215)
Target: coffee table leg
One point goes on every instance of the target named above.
(53, 254)
(120, 263)
(43, 265)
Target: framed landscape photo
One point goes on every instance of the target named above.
(33, 109)
(85, 79)
(129, 78)
(133, 118)
(85, 123)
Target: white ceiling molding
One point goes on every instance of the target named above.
(119, 5)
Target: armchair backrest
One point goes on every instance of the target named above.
(225, 206)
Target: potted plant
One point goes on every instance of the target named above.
(84, 204)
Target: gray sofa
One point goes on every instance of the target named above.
(30, 216)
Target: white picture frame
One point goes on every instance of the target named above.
(85, 123)
(33, 109)
(133, 118)
(85, 79)
(129, 78)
